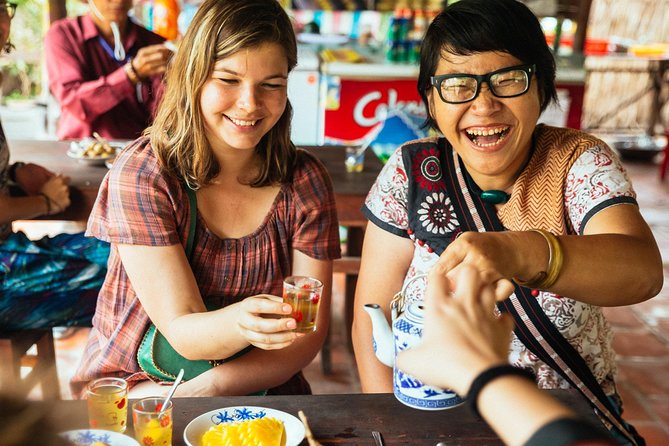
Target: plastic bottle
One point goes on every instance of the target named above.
(165, 16)
(394, 34)
(416, 35)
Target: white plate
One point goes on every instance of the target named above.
(85, 437)
(76, 149)
(196, 428)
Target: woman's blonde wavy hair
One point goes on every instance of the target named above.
(219, 29)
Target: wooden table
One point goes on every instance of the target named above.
(350, 188)
(344, 419)
(350, 192)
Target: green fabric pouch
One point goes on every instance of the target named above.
(155, 354)
(157, 358)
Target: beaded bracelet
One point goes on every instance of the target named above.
(48, 202)
(545, 279)
(490, 374)
(132, 73)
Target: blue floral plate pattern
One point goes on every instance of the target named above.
(85, 437)
(196, 428)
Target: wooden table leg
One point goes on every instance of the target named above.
(14, 347)
(10, 368)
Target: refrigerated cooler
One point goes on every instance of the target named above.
(303, 93)
(377, 101)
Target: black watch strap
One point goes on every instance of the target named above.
(11, 173)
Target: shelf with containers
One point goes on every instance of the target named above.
(361, 70)
(368, 77)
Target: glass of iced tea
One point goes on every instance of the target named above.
(304, 295)
(108, 404)
(152, 424)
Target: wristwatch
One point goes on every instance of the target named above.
(11, 173)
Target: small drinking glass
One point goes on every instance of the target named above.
(108, 404)
(355, 158)
(304, 295)
(152, 422)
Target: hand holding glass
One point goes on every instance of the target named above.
(304, 295)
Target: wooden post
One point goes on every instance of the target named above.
(57, 10)
(582, 27)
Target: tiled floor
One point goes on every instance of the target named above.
(641, 332)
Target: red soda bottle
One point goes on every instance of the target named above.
(165, 15)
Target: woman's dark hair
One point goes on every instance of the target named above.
(475, 26)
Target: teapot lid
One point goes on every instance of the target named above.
(398, 302)
(415, 312)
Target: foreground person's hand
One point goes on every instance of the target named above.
(462, 335)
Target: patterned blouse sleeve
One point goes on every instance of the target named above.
(386, 203)
(135, 204)
(596, 181)
(316, 231)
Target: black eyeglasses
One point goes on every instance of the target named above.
(505, 83)
(8, 8)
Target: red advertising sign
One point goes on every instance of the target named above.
(353, 107)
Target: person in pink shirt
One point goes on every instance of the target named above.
(105, 71)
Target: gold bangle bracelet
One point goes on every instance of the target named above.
(545, 279)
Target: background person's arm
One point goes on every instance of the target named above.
(48, 194)
(85, 98)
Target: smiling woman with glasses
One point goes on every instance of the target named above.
(550, 208)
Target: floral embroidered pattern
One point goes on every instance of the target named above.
(436, 214)
(426, 170)
(595, 177)
(388, 196)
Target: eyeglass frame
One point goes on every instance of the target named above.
(528, 69)
(10, 7)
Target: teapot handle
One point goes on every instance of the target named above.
(398, 300)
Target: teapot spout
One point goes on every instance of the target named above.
(382, 335)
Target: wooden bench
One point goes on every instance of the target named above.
(16, 351)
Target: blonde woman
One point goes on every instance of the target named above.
(264, 211)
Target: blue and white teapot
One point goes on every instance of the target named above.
(407, 330)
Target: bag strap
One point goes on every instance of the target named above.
(192, 201)
(533, 327)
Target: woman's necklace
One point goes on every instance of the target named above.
(495, 196)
